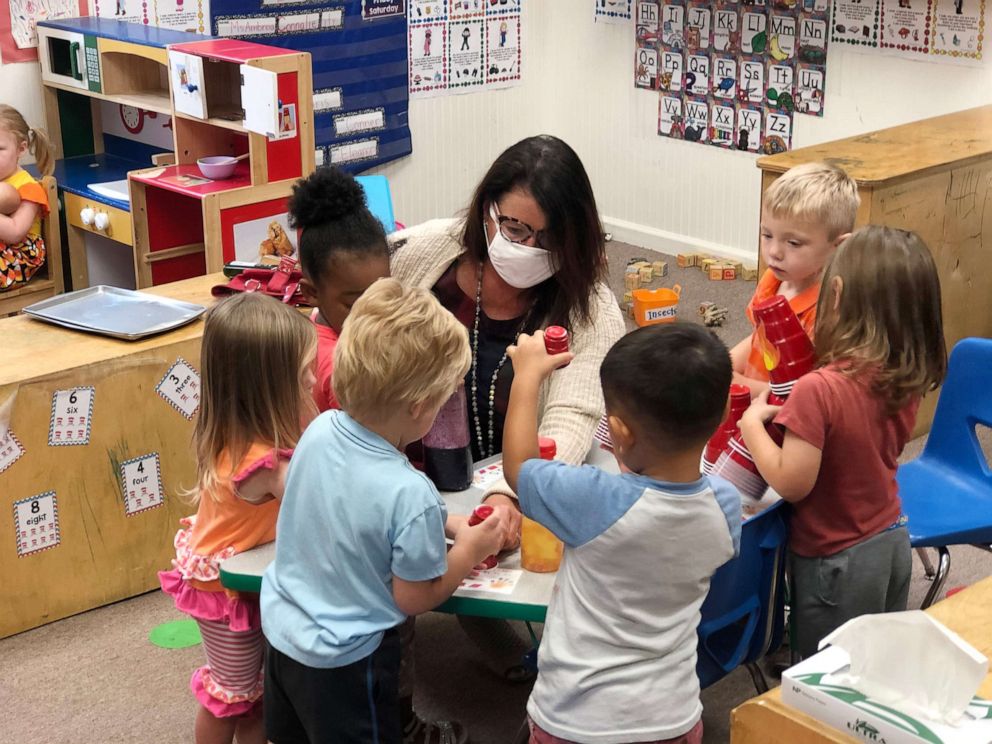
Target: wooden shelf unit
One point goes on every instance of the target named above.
(137, 66)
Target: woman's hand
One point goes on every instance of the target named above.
(530, 358)
(510, 517)
(760, 411)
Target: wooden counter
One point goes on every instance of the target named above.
(932, 177)
(110, 547)
(767, 720)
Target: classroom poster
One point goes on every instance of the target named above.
(461, 46)
(936, 30)
(613, 11)
(856, 22)
(18, 19)
(729, 74)
(905, 25)
(957, 29)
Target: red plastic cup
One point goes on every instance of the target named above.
(556, 340)
(547, 447)
(478, 515)
(740, 399)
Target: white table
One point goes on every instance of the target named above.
(527, 602)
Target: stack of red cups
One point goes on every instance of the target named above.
(740, 399)
(788, 355)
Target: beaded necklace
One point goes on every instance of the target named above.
(483, 451)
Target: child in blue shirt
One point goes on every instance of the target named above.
(360, 542)
(618, 658)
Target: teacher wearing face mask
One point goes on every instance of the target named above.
(529, 253)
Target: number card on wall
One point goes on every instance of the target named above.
(72, 413)
(10, 450)
(36, 520)
(180, 387)
(141, 478)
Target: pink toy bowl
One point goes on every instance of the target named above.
(217, 167)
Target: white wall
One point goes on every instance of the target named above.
(578, 84)
(651, 191)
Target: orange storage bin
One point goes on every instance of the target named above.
(653, 306)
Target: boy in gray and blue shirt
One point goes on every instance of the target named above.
(617, 662)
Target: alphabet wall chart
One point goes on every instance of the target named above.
(733, 74)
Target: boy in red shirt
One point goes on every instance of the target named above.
(805, 214)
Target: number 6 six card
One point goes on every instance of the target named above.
(71, 421)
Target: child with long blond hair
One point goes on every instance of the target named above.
(257, 358)
(23, 201)
(880, 346)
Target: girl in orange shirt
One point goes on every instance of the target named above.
(23, 201)
(257, 358)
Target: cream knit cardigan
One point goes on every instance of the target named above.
(571, 401)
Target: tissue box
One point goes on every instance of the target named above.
(808, 686)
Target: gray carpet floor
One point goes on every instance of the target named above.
(96, 677)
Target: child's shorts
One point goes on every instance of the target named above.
(692, 736)
(353, 704)
(20, 262)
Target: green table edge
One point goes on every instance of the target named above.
(454, 605)
(240, 582)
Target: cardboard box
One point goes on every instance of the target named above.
(811, 687)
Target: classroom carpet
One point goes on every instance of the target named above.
(97, 677)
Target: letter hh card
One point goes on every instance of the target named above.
(648, 14)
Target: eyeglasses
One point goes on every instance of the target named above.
(518, 232)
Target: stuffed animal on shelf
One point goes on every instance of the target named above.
(277, 243)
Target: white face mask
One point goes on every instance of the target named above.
(520, 266)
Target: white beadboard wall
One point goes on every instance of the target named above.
(578, 85)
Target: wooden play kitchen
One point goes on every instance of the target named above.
(931, 177)
(226, 97)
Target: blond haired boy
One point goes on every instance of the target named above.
(805, 214)
(360, 542)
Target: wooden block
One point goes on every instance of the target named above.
(729, 273)
(628, 298)
(706, 264)
(738, 266)
(683, 261)
(716, 272)
(749, 273)
(631, 282)
(646, 274)
(659, 269)
(631, 269)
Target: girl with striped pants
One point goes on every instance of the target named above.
(257, 364)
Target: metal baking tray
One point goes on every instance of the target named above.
(116, 312)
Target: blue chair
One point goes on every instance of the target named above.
(743, 616)
(947, 491)
(379, 199)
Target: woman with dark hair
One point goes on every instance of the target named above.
(528, 254)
